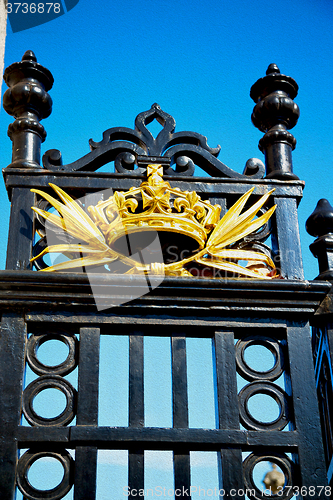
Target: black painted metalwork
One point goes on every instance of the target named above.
(132, 150)
(275, 113)
(41, 307)
(27, 99)
(325, 397)
(320, 224)
(322, 337)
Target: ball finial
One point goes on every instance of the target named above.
(320, 221)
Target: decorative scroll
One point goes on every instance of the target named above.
(128, 148)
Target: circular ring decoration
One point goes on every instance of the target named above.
(67, 366)
(31, 493)
(274, 392)
(249, 373)
(39, 385)
(282, 461)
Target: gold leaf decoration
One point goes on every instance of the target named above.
(183, 213)
(77, 223)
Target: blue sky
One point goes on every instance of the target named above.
(112, 60)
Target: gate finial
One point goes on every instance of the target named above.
(320, 224)
(275, 113)
(28, 101)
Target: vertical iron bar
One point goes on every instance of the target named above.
(136, 411)
(136, 399)
(20, 236)
(87, 405)
(330, 344)
(287, 240)
(181, 457)
(85, 473)
(231, 458)
(222, 202)
(12, 357)
(182, 474)
(87, 413)
(179, 382)
(135, 472)
(310, 451)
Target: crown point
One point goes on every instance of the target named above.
(156, 106)
(272, 68)
(29, 55)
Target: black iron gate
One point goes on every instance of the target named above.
(38, 307)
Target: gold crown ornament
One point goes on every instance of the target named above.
(155, 206)
(182, 220)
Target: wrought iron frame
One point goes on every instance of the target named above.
(275, 313)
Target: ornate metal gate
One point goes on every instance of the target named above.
(202, 300)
